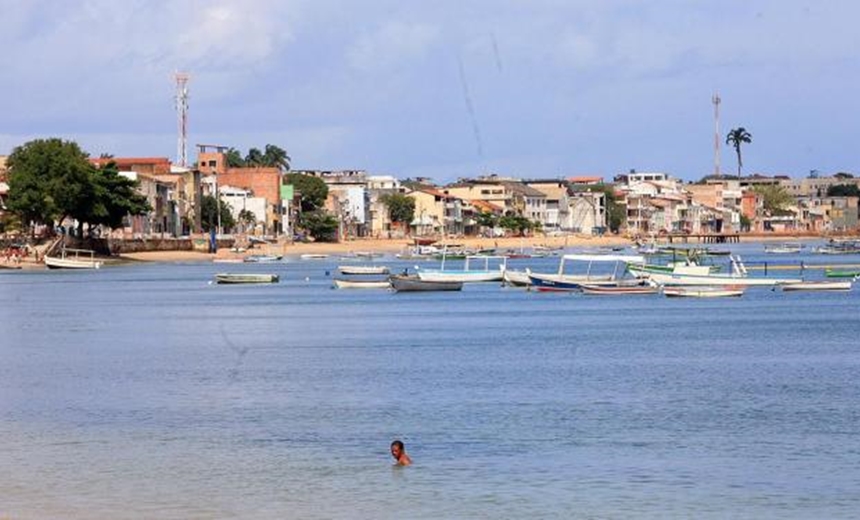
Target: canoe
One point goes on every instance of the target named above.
(236, 278)
(620, 289)
(363, 269)
(709, 291)
(411, 283)
(842, 285)
(340, 283)
(838, 273)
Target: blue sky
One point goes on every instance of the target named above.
(445, 89)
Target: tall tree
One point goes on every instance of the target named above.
(209, 214)
(276, 157)
(48, 179)
(254, 158)
(234, 158)
(115, 198)
(401, 208)
(313, 190)
(775, 198)
(736, 137)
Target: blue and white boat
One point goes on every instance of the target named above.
(484, 272)
(564, 281)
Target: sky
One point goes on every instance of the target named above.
(444, 89)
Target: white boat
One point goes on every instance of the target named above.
(236, 278)
(363, 269)
(313, 256)
(259, 259)
(708, 291)
(562, 281)
(73, 259)
(701, 275)
(822, 285)
(412, 283)
(783, 249)
(621, 288)
(515, 277)
(340, 283)
(468, 274)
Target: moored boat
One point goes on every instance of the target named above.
(259, 259)
(702, 275)
(468, 274)
(562, 281)
(707, 291)
(783, 249)
(412, 283)
(363, 269)
(73, 259)
(841, 273)
(340, 283)
(620, 289)
(515, 277)
(820, 285)
(237, 278)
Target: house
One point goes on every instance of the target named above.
(586, 212)
(516, 198)
(557, 203)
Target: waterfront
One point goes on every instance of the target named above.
(145, 391)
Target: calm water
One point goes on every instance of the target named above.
(146, 392)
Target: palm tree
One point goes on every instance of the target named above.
(277, 157)
(735, 137)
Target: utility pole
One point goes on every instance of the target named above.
(716, 101)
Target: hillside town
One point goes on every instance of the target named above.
(635, 204)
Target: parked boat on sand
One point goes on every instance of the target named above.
(73, 259)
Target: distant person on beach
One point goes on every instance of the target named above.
(398, 451)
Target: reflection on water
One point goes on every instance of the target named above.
(145, 391)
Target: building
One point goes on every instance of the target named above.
(556, 213)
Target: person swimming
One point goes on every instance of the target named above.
(398, 451)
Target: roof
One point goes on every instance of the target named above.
(522, 189)
(486, 206)
(582, 179)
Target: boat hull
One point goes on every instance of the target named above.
(663, 278)
(818, 286)
(363, 269)
(361, 284)
(408, 283)
(703, 292)
(245, 278)
(460, 276)
(53, 262)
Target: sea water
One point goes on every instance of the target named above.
(146, 391)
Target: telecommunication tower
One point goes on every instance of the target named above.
(182, 116)
(716, 101)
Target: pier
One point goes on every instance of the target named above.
(706, 238)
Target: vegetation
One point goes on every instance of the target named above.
(485, 219)
(517, 224)
(775, 198)
(272, 157)
(321, 225)
(401, 208)
(51, 180)
(736, 137)
(843, 190)
(313, 190)
(247, 218)
(209, 215)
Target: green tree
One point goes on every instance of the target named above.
(843, 190)
(313, 190)
(115, 198)
(254, 157)
(49, 179)
(775, 198)
(321, 225)
(517, 224)
(276, 157)
(234, 158)
(247, 218)
(401, 208)
(209, 215)
(486, 219)
(736, 137)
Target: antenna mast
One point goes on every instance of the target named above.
(182, 116)
(716, 101)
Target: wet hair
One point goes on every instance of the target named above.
(399, 444)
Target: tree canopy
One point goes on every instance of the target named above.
(273, 157)
(843, 190)
(51, 179)
(209, 214)
(313, 190)
(775, 198)
(320, 224)
(401, 208)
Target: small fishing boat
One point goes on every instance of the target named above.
(622, 288)
(73, 259)
(515, 278)
(313, 256)
(340, 283)
(706, 291)
(483, 273)
(412, 283)
(562, 281)
(237, 278)
(259, 259)
(821, 285)
(787, 248)
(841, 273)
(363, 269)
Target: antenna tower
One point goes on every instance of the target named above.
(716, 101)
(182, 116)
